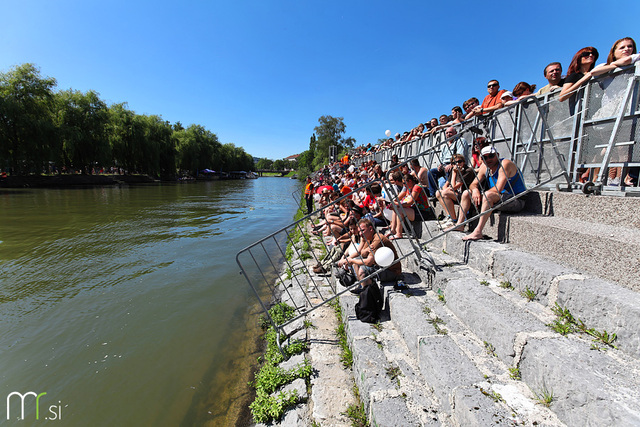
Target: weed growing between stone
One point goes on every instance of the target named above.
(346, 356)
(484, 282)
(441, 296)
(492, 394)
(565, 324)
(355, 411)
(491, 350)
(436, 322)
(528, 294)
(394, 373)
(270, 377)
(543, 397)
(506, 285)
(514, 373)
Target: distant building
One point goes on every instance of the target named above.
(292, 158)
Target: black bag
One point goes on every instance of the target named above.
(370, 304)
(346, 278)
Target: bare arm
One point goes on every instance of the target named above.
(568, 88)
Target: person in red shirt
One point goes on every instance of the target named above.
(492, 101)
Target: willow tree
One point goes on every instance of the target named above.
(27, 130)
(82, 120)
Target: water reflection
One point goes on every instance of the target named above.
(126, 303)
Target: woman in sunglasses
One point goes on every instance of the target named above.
(578, 74)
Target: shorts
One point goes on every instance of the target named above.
(383, 275)
(515, 205)
(422, 214)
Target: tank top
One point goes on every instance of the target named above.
(515, 184)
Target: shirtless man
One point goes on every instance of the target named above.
(420, 172)
(504, 181)
(364, 262)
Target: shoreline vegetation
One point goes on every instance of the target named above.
(45, 131)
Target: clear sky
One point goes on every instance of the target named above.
(260, 73)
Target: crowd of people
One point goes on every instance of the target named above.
(582, 68)
(367, 207)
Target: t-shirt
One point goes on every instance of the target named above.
(573, 78)
(547, 87)
(490, 101)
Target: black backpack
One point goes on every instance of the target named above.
(370, 304)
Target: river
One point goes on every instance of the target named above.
(125, 304)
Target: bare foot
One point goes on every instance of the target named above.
(455, 228)
(473, 236)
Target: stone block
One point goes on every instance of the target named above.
(409, 320)
(474, 408)
(445, 367)
(589, 388)
(369, 369)
(492, 318)
(391, 411)
(604, 306)
(477, 255)
(526, 270)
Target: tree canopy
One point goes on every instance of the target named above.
(45, 131)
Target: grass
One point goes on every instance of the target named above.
(492, 394)
(514, 373)
(267, 406)
(436, 322)
(441, 296)
(565, 323)
(543, 397)
(394, 373)
(491, 350)
(484, 282)
(346, 355)
(506, 285)
(355, 411)
(529, 294)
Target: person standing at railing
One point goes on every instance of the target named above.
(308, 195)
(469, 106)
(504, 182)
(491, 102)
(578, 74)
(553, 74)
(622, 53)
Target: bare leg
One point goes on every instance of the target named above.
(489, 199)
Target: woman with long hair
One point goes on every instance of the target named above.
(579, 73)
(622, 53)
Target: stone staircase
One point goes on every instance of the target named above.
(467, 347)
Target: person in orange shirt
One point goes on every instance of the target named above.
(492, 101)
(308, 195)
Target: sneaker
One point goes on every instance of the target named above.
(357, 290)
(615, 182)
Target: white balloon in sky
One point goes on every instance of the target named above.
(383, 256)
(387, 132)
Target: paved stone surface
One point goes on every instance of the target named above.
(472, 407)
(487, 315)
(589, 388)
(604, 306)
(330, 381)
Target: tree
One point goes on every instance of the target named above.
(197, 149)
(82, 121)
(27, 131)
(264, 164)
(329, 132)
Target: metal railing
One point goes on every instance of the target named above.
(600, 134)
(280, 264)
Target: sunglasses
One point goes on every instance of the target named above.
(457, 162)
(489, 86)
(489, 156)
(587, 54)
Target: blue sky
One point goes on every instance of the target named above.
(259, 74)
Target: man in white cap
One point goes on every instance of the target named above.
(504, 182)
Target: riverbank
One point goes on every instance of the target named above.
(74, 180)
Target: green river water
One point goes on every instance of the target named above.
(125, 304)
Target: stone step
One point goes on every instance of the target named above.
(601, 304)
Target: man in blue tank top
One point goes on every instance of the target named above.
(504, 181)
